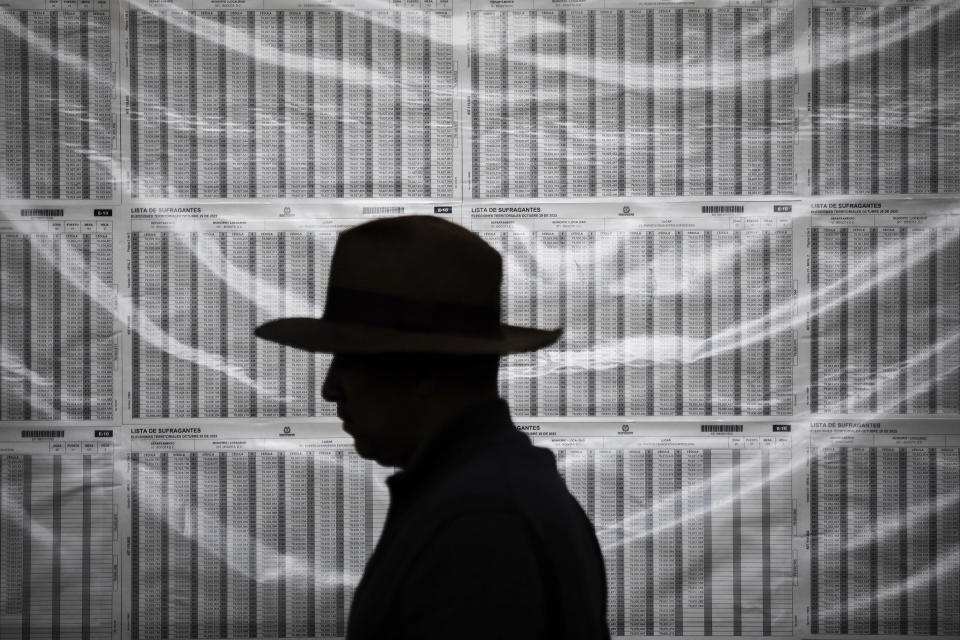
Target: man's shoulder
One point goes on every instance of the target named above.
(511, 477)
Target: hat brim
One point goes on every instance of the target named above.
(323, 336)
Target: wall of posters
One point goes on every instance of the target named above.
(745, 214)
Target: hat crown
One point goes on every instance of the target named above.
(416, 272)
(413, 284)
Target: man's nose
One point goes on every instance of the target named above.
(330, 391)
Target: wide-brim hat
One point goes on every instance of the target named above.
(410, 284)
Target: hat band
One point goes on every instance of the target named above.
(387, 310)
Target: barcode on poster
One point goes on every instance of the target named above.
(381, 211)
(721, 428)
(41, 213)
(721, 208)
(39, 433)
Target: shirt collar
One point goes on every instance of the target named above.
(472, 430)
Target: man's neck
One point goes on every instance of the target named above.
(436, 413)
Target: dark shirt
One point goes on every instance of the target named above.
(482, 540)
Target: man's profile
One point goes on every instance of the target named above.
(482, 539)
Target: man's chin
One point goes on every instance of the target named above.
(366, 451)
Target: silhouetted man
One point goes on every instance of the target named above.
(482, 539)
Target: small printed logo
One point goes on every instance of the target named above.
(287, 211)
(625, 428)
(447, 209)
(286, 429)
(626, 209)
(103, 213)
(103, 433)
(783, 208)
